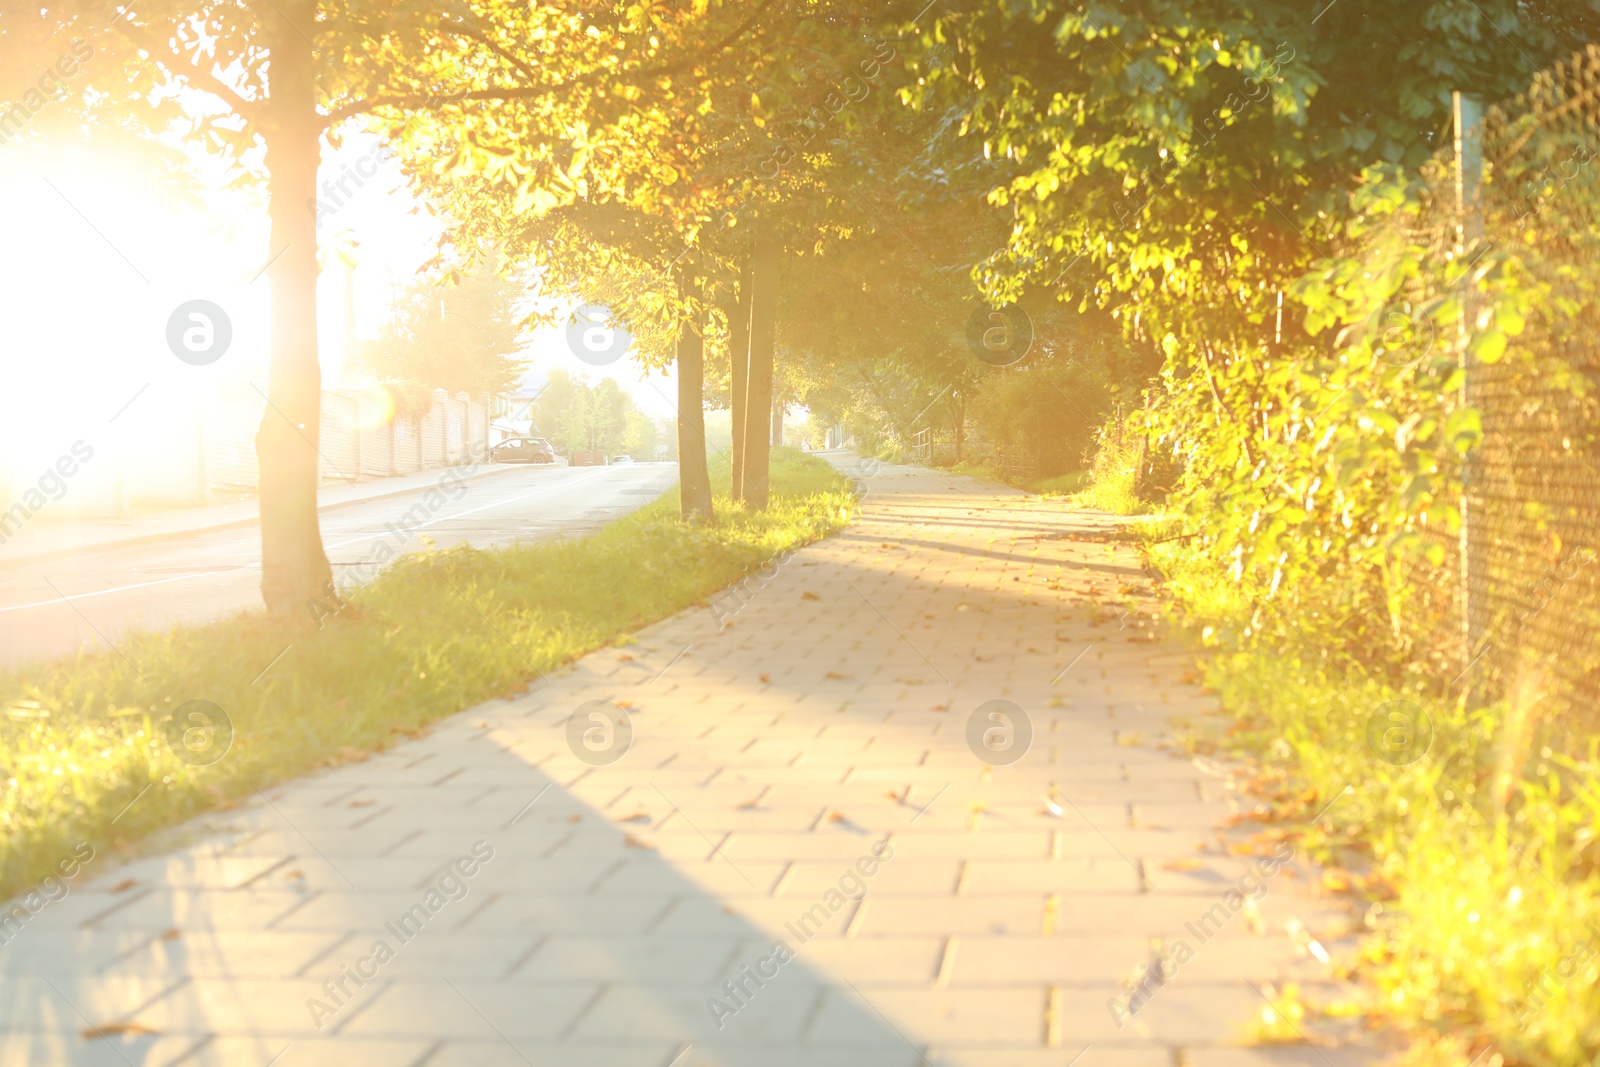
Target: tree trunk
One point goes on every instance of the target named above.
(295, 575)
(764, 260)
(739, 360)
(694, 480)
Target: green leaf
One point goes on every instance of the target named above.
(1509, 320)
(1489, 347)
(1463, 429)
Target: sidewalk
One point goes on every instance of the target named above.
(43, 537)
(799, 860)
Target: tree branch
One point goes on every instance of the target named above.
(249, 110)
(479, 36)
(411, 100)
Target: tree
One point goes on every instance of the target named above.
(685, 166)
(460, 337)
(1207, 175)
(762, 335)
(694, 481)
(577, 416)
(606, 252)
(282, 76)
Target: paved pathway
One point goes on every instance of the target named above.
(802, 775)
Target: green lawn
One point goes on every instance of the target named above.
(436, 633)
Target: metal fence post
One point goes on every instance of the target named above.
(1469, 234)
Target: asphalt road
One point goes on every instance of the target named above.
(54, 607)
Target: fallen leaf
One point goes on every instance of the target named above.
(634, 842)
(1182, 865)
(1336, 879)
(574, 818)
(836, 675)
(809, 596)
(122, 886)
(765, 677)
(128, 1029)
(171, 934)
(361, 803)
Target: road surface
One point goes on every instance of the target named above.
(53, 607)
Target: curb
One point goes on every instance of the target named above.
(234, 524)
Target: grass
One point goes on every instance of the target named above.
(1060, 485)
(1469, 847)
(85, 739)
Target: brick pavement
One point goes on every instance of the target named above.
(801, 775)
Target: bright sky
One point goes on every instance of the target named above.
(396, 235)
(102, 248)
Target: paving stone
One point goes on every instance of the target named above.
(73, 1003)
(470, 1011)
(992, 1018)
(69, 1048)
(307, 1052)
(252, 1007)
(1013, 907)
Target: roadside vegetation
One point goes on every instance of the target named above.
(85, 742)
(1465, 839)
(980, 232)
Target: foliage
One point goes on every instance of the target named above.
(1047, 409)
(1215, 175)
(575, 415)
(460, 335)
(1483, 915)
(1254, 200)
(85, 737)
(1115, 479)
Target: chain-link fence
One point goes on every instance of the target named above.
(1515, 606)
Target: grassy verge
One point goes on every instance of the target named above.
(1469, 846)
(1058, 486)
(86, 739)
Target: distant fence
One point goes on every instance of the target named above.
(358, 441)
(935, 448)
(177, 450)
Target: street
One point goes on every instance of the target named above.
(53, 607)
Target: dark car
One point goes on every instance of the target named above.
(523, 450)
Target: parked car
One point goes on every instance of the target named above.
(523, 450)
(621, 460)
